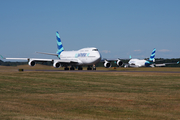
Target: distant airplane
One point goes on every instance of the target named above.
(146, 63)
(86, 56)
(137, 62)
(142, 63)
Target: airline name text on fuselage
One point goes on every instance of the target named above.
(81, 55)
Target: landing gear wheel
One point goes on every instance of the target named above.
(89, 68)
(80, 68)
(66, 68)
(71, 68)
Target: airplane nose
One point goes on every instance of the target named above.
(99, 56)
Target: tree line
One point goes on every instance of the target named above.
(158, 61)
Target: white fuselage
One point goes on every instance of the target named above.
(85, 56)
(136, 63)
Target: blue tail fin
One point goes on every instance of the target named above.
(130, 57)
(59, 44)
(152, 55)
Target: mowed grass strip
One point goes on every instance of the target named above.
(45, 67)
(67, 95)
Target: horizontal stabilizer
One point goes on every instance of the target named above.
(160, 65)
(2, 57)
(164, 64)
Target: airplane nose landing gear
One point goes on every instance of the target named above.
(94, 67)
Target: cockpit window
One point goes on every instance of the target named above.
(95, 50)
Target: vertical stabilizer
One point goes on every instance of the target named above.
(59, 44)
(130, 57)
(152, 55)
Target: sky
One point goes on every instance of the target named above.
(118, 28)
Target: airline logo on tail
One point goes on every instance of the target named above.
(59, 44)
(152, 55)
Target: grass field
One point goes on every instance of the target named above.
(89, 95)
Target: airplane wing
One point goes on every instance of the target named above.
(164, 64)
(33, 61)
(44, 60)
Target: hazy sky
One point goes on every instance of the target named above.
(118, 28)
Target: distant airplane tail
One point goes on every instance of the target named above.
(59, 44)
(130, 57)
(152, 55)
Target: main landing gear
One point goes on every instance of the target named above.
(72, 68)
(89, 68)
(80, 67)
(66, 68)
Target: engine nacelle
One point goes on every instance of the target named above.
(107, 64)
(56, 64)
(32, 63)
(119, 62)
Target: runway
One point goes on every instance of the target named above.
(104, 71)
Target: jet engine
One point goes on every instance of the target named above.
(32, 63)
(119, 62)
(107, 64)
(56, 64)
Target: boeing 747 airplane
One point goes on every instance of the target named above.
(86, 56)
